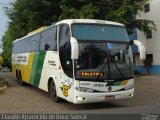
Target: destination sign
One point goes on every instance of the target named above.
(100, 74)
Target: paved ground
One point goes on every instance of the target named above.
(28, 99)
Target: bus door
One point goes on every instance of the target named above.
(65, 60)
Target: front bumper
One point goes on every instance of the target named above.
(82, 97)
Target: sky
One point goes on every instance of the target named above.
(3, 18)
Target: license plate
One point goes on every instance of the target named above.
(109, 97)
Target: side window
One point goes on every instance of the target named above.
(18, 47)
(27, 45)
(35, 43)
(42, 42)
(64, 35)
(23, 46)
(48, 39)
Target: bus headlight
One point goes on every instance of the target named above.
(129, 87)
(82, 89)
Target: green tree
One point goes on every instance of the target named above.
(27, 15)
(75, 9)
(123, 11)
(1, 60)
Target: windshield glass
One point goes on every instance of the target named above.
(104, 61)
(99, 32)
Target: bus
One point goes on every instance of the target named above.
(78, 60)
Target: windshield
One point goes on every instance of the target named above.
(98, 32)
(104, 61)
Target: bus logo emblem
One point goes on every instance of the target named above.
(65, 89)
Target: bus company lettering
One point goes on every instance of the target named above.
(50, 62)
(22, 59)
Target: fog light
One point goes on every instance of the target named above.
(80, 98)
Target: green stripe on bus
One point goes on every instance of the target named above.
(110, 83)
(39, 68)
(34, 66)
(117, 83)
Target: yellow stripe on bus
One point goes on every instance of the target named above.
(27, 69)
(124, 82)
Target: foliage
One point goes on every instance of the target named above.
(123, 11)
(1, 60)
(70, 11)
(27, 15)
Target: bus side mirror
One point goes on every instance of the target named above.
(74, 48)
(141, 48)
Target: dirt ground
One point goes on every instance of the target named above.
(28, 99)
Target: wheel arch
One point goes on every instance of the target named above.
(56, 85)
(49, 81)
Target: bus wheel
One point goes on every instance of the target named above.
(53, 92)
(20, 80)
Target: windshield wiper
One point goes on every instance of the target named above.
(119, 69)
(107, 63)
(103, 68)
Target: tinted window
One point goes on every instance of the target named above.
(35, 43)
(65, 50)
(64, 34)
(99, 32)
(27, 44)
(48, 39)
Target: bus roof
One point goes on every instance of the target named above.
(37, 30)
(70, 21)
(92, 21)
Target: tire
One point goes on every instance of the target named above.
(20, 80)
(53, 92)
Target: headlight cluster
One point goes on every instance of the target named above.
(129, 87)
(82, 89)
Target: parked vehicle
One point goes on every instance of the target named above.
(5, 69)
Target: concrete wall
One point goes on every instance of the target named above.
(152, 45)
